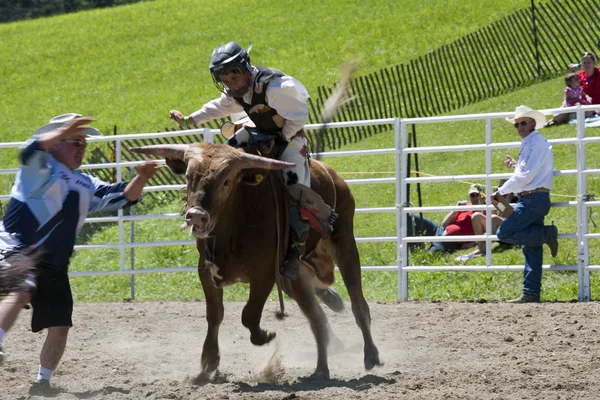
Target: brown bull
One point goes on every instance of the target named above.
(238, 226)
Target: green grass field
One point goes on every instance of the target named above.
(128, 66)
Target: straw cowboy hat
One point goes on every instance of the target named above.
(60, 120)
(526, 112)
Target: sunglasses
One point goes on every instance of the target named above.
(522, 123)
(589, 54)
(76, 142)
(474, 195)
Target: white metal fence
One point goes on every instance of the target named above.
(401, 180)
(583, 265)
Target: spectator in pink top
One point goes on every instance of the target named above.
(573, 96)
(589, 75)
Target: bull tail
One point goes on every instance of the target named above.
(335, 101)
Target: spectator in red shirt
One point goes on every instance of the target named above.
(455, 223)
(590, 75)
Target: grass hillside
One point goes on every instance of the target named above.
(129, 65)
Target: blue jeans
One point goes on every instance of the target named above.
(525, 227)
(426, 227)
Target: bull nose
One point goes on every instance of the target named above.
(196, 216)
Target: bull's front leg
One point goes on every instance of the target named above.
(214, 316)
(305, 297)
(260, 288)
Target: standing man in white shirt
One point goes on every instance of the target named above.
(532, 182)
(276, 104)
(49, 203)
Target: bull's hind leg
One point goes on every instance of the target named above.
(304, 294)
(214, 316)
(346, 256)
(260, 288)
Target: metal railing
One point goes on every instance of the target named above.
(208, 134)
(582, 205)
(401, 181)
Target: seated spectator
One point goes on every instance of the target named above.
(573, 96)
(455, 223)
(590, 75)
(479, 222)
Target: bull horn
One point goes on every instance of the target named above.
(252, 161)
(172, 151)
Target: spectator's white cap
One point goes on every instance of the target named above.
(527, 112)
(60, 120)
(475, 188)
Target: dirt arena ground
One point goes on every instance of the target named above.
(431, 351)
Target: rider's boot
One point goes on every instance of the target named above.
(313, 209)
(295, 254)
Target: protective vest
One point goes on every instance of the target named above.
(258, 110)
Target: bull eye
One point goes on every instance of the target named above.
(226, 182)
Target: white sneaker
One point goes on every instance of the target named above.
(464, 258)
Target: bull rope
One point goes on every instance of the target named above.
(281, 313)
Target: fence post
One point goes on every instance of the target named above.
(132, 240)
(489, 191)
(583, 274)
(401, 247)
(207, 136)
(119, 179)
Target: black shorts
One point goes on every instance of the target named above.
(52, 302)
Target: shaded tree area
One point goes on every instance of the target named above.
(16, 10)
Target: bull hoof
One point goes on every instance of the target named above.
(214, 377)
(262, 338)
(320, 376)
(372, 361)
(209, 366)
(331, 298)
(202, 379)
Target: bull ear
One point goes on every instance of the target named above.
(177, 166)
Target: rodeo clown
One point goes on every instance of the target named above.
(49, 202)
(276, 105)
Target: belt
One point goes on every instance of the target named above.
(537, 190)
